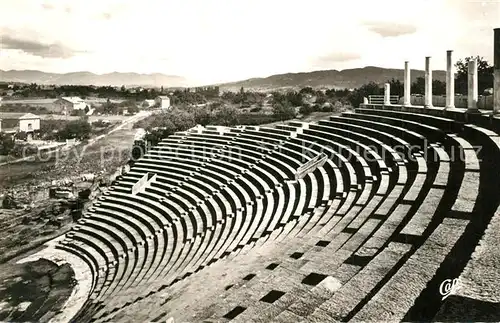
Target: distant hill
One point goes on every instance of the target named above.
(350, 78)
(87, 78)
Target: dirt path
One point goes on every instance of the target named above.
(103, 153)
(125, 123)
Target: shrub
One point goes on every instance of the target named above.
(23, 150)
(77, 129)
(6, 144)
(283, 111)
(77, 113)
(307, 109)
(227, 116)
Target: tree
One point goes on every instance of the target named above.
(202, 116)
(183, 120)
(356, 96)
(484, 72)
(418, 87)
(307, 109)
(307, 90)
(78, 129)
(283, 111)
(320, 99)
(227, 116)
(295, 98)
(133, 109)
(438, 87)
(6, 144)
(397, 87)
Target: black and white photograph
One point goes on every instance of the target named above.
(249, 161)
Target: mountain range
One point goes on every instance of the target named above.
(349, 78)
(88, 78)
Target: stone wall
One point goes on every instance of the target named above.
(484, 102)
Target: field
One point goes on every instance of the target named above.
(103, 155)
(28, 290)
(43, 102)
(92, 118)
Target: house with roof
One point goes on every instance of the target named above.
(19, 122)
(148, 103)
(163, 102)
(67, 104)
(29, 122)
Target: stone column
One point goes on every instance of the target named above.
(407, 85)
(387, 94)
(450, 81)
(365, 100)
(428, 83)
(472, 93)
(496, 70)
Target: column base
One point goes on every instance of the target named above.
(449, 107)
(473, 111)
(428, 106)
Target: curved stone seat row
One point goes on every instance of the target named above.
(180, 167)
(402, 214)
(353, 173)
(336, 307)
(394, 200)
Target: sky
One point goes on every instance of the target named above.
(212, 41)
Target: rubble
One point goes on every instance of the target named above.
(9, 202)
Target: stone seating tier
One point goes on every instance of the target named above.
(369, 233)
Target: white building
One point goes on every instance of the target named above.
(66, 104)
(163, 102)
(29, 123)
(148, 103)
(13, 123)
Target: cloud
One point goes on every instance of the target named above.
(387, 29)
(338, 57)
(36, 48)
